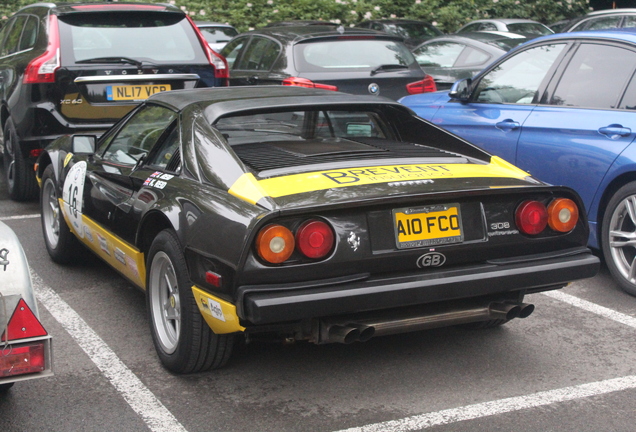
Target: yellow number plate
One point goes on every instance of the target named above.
(134, 92)
(428, 226)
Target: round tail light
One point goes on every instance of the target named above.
(531, 217)
(563, 214)
(275, 243)
(314, 239)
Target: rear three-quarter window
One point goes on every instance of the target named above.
(595, 77)
(349, 54)
(154, 37)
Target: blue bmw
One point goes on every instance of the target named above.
(563, 108)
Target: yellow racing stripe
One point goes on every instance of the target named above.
(122, 256)
(247, 187)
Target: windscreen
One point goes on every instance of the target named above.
(144, 36)
(350, 55)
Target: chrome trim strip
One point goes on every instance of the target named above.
(141, 77)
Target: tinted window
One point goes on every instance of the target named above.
(595, 77)
(29, 34)
(232, 49)
(598, 23)
(413, 30)
(168, 149)
(299, 126)
(487, 27)
(517, 79)
(12, 40)
(473, 57)
(218, 34)
(439, 54)
(163, 38)
(470, 28)
(629, 21)
(343, 55)
(138, 136)
(260, 54)
(529, 28)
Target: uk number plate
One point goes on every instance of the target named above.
(428, 226)
(134, 92)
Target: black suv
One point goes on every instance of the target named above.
(81, 66)
(349, 60)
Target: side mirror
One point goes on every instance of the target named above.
(83, 144)
(461, 90)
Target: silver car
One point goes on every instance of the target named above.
(25, 346)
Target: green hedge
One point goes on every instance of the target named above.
(448, 15)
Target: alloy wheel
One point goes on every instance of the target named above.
(165, 303)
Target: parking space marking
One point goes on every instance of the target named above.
(592, 307)
(29, 216)
(139, 397)
(501, 406)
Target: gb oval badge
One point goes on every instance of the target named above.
(431, 259)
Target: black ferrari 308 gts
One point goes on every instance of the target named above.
(305, 214)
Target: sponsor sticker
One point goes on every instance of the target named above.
(103, 243)
(216, 310)
(120, 256)
(132, 265)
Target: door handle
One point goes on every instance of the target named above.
(252, 79)
(507, 125)
(615, 131)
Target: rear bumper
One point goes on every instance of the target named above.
(265, 304)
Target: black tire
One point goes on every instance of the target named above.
(19, 174)
(182, 338)
(619, 249)
(62, 245)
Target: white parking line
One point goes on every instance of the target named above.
(502, 406)
(29, 216)
(593, 307)
(139, 397)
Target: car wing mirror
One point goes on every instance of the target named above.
(83, 144)
(461, 90)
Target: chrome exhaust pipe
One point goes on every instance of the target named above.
(343, 334)
(505, 311)
(366, 332)
(526, 310)
(349, 329)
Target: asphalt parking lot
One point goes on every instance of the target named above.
(570, 366)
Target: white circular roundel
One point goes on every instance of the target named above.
(73, 193)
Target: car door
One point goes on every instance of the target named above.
(116, 175)
(502, 99)
(574, 138)
(254, 63)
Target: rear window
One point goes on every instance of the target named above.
(300, 126)
(350, 55)
(529, 28)
(153, 37)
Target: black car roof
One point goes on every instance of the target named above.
(218, 102)
(295, 34)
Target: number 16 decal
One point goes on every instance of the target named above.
(73, 193)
